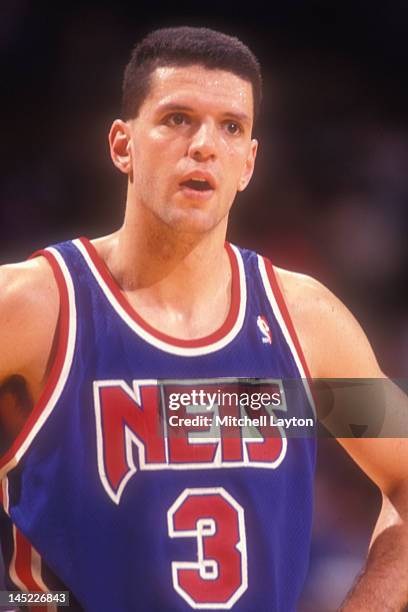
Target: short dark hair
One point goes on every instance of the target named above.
(185, 46)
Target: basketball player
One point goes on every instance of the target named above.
(100, 492)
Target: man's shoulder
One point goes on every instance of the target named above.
(25, 283)
(333, 341)
(305, 296)
(29, 306)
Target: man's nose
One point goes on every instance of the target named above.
(203, 143)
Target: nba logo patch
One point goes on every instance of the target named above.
(264, 329)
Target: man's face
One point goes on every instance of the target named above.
(191, 147)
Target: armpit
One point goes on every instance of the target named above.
(15, 407)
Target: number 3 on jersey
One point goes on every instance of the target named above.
(215, 519)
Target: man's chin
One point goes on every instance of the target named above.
(193, 221)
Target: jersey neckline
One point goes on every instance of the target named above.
(211, 342)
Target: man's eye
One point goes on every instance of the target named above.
(233, 127)
(177, 119)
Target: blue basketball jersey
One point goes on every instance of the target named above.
(163, 474)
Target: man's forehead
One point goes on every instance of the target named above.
(178, 84)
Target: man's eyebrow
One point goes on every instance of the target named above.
(242, 117)
(176, 107)
(173, 106)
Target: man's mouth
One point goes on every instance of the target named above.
(197, 184)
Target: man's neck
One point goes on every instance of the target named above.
(178, 283)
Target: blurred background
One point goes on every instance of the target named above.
(328, 198)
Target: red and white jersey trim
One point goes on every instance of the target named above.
(177, 346)
(281, 312)
(60, 368)
(26, 569)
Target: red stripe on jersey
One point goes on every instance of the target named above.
(285, 314)
(23, 567)
(57, 365)
(225, 328)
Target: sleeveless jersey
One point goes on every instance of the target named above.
(111, 489)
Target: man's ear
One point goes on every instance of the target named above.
(119, 145)
(249, 166)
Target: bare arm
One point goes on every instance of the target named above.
(28, 315)
(336, 347)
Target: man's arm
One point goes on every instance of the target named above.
(29, 307)
(383, 583)
(336, 347)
